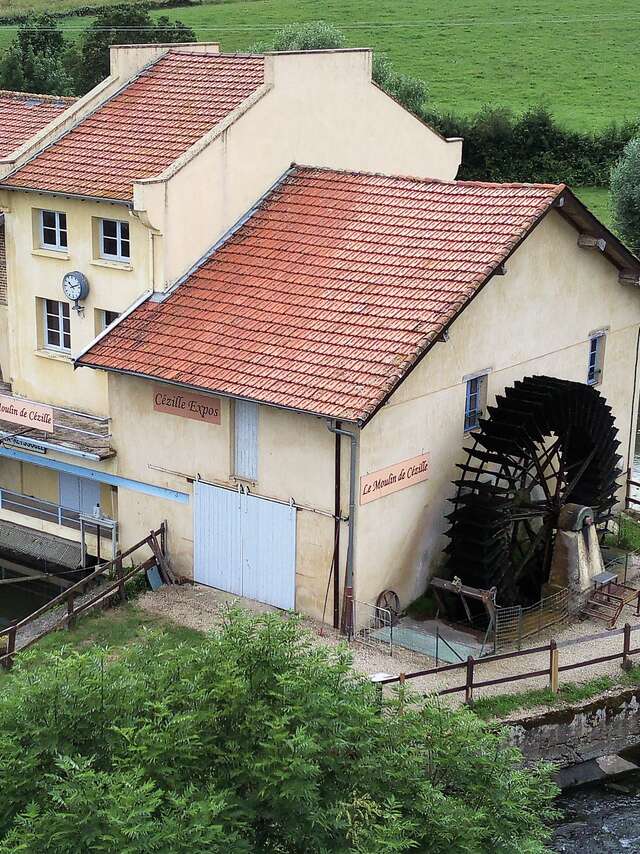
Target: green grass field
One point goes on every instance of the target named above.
(576, 57)
(573, 56)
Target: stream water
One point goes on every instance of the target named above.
(600, 818)
(20, 599)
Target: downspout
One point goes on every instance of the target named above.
(633, 415)
(337, 511)
(347, 617)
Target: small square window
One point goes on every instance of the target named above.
(114, 240)
(57, 325)
(53, 230)
(105, 318)
(596, 359)
(475, 402)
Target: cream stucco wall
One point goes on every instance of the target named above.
(534, 320)
(35, 274)
(318, 109)
(295, 461)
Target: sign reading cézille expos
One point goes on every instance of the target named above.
(200, 407)
(35, 415)
(393, 478)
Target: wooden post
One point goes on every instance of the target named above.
(7, 662)
(554, 683)
(401, 683)
(70, 611)
(163, 537)
(120, 577)
(626, 646)
(468, 688)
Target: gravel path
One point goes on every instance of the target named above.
(202, 607)
(42, 625)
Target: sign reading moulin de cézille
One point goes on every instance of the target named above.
(200, 407)
(24, 412)
(393, 478)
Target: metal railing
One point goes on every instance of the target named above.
(48, 511)
(515, 623)
(374, 626)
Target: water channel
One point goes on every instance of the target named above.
(600, 818)
(21, 599)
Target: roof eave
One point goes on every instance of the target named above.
(578, 214)
(80, 363)
(567, 204)
(79, 196)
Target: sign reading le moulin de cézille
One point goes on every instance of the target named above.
(36, 415)
(200, 407)
(393, 478)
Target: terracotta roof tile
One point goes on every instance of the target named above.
(329, 292)
(142, 129)
(23, 115)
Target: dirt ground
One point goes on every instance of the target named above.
(201, 608)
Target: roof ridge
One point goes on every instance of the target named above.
(27, 96)
(418, 180)
(222, 54)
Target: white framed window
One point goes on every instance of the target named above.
(106, 318)
(115, 244)
(475, 401)
(53, 230)
(596, 358)
(57, 325)
(246, 440)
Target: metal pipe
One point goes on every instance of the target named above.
(633, 414)
(347, 621)
(336, 532)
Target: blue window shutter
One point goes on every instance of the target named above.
(246, 440)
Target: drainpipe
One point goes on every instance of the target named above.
(337, 512)
(347, 617)
(630, 453)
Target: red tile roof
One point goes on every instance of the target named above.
(145, 127)
(329, 292)
(22, 116)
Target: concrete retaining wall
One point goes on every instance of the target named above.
(586, 731)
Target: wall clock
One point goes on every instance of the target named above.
(76, 287)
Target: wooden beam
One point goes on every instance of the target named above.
(588, 241)
(629, 277)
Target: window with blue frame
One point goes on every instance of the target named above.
(475, 401)
(596, 358)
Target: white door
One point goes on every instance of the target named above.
(216, 538)
(245, 545)
(78, 493)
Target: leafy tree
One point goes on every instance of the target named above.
(625, 195)
(122, 24)
(36, 61)
(254, 739)
(319, 35)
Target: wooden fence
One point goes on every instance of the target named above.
(156, 541)
(472, 668)
(631, 502)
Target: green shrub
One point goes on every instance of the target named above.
(625, 195)
(255, 739)
(533, 147)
